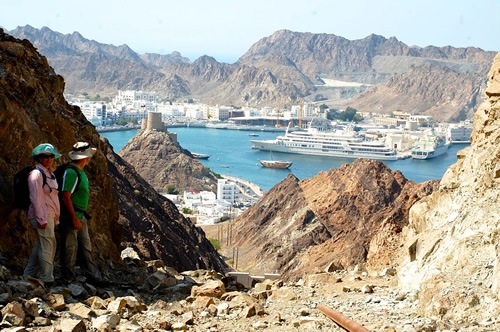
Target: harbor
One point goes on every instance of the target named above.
(231, 154)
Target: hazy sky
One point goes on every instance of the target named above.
(225, 29)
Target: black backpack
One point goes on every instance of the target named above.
(21, 188)
(59, 172)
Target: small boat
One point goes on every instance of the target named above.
(253, 135)
(200, 155)
(275, 163)
(224, 166)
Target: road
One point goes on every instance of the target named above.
(254, 193)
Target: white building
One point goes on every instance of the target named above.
(193, 112)
(226, 190)
(460, 133)
(214, 113)
(133, 97)
(309, 110)
(194, 199)
(95, 112)
(205, 207)
(423, 120)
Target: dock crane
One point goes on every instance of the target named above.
(278, 123)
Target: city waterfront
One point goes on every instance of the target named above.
(231, 154)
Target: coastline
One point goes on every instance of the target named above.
(224, 126)
(116, 128)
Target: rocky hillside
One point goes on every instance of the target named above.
(452, 242)
(126, 210)
(421, 91)
(442, 239)
(282, 69)
(335, 220)
(163, 163)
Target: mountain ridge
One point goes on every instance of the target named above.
(278, 71)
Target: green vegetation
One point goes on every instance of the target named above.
(225, 218)
(186, 210)
(215, 243)
(121, 121)
(170, 189)
(217, 175)
(348, 115)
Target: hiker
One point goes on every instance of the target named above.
(74, 217)
(43, 213)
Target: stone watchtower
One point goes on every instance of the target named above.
(154, 123)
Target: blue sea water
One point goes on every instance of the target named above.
(231, 154)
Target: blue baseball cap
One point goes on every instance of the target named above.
(45, 148)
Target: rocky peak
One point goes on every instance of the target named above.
(161, 161)
(451, 251)
(208, 69)
(341, 218)
(164, 60)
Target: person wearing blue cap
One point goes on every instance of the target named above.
(43, 213)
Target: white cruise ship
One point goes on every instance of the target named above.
(340, 144)
(430, 146)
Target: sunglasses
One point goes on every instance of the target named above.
(46, 156)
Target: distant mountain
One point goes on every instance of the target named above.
(280, 70)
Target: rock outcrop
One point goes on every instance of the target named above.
(452, 248)
(162, 162)
(335, 220)
(126, 210)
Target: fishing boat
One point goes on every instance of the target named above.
(275, 164)
(429, 146)
(200, 155)
(316, 141)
